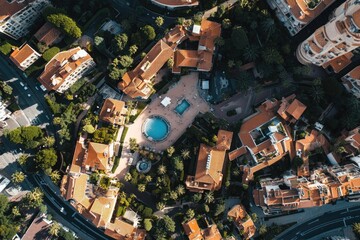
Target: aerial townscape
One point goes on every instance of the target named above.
(180, 119)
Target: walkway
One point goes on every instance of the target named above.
(228, 4)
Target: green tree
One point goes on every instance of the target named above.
(190, 214)
(262, 229)
(133, 49)
(317, 94)
(147, 224)
(65, 23)
(219, 41)
(271, 55)
(89, 128)
(126, 61)
(54, 229)
(197, 18)
(18, 177)
(297, 162)
(226, 23)
(50, 53)
(209, 197)
(46, 158)
(99, 42)
(178, 163)
(219, 208)
(126, 24)
(119, 42)
(180, 189)
(254, 217)
(251, 53)
(170, 151)
(160, 206)
(197, 197)
(170, 63)
(49, 141)
(356, 228)
(159, 21)
(33, 199)
(167, 223)
(141, 187)
(148, 32)
(4, 203)
(185, 153)
(128, 177)
(268, 26)
(6, 88)
(15, 211)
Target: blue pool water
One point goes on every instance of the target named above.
(156, 128)
(181, 107)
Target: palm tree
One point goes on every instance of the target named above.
(54, 229)
(190, 213)
(18, 177)
(185, 153)
(236, 172)
(148, 178)
(33, 199)
(356, 228)
(180, 190)
(141, 187)
(161, 169)
(262, 229)
(268, 26)
(15, 211)
(209, 197)
(251, 53)
(159, 21)
(254, 217)
(160, 206)
(128, 177)
(317, 94)
(170, 151)
(22, 159)
(49, 141)
(55, 176)
(174, 195)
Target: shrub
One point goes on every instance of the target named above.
(50, 53)
(65, 23)
(116, 162)
(6, 48)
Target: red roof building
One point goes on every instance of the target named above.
(24, 56)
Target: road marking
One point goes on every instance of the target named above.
(344, 222)
(313, 222)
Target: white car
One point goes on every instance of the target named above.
(22, 84)
(25, 88)
(29, 95)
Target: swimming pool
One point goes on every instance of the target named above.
(182, 106)
(156, 128)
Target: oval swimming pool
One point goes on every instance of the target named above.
(156, 128)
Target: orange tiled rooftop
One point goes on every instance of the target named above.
(113, 111)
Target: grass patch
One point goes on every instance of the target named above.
(50, 53)
(77, 85)
(116, 161)
(32, 69)
(13, 107)
(123, 135)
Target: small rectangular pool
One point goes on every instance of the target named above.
(182, 106)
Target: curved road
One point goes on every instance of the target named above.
(321, 224)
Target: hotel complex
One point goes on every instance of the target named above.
(330, 46)
(16, 16)
(65, 68)
(296, 14)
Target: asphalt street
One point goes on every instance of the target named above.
(318, 225)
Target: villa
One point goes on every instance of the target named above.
(266, 135)
(48, 35)
(351, 81)
(24, 56)
(113, 111)
(194, 232)
(65, 68)
(325, 184)
(138, 82)
(91, 200)
(175, 4)
(242, 221)
(210, 163)
(295, 15)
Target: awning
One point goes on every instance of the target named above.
(166, 101)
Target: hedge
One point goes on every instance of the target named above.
(123, 135)
(116, 161)
(50, 53)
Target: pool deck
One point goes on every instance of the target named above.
(186, 88)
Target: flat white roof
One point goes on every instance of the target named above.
(166, 101)
(205, 85)
(4, 182)
(196, 29)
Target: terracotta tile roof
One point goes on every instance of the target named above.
(296, 109)
(9, 8)
(339, 63)
(98, 156)
(113, 111)
(60, 67)
(102, 208)
(76, 190)
(177, 3)
(237, 153)
(355, 73)
(38, 229)
(224, 140)
(290, 108)
(19, 55)
(47, 34)
(122, 230)
(192, 230)
(303, 13)
(78, 157)
(212, 233)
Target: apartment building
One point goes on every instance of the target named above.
(210, 163)
(16, 16)
(138, 82)
(324, 185)
(65, 68)
(296, 14)
(24, 56)
(330, 46)
(266, 136)
(351, 81)
(175, 4)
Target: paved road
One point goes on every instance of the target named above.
(324, 223)
(69, 217)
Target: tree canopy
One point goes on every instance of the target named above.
(46, 158)
(65, 23)
(30, 136)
